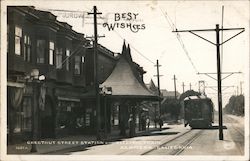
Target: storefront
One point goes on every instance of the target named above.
(74, 112)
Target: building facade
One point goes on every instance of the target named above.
(50, 91)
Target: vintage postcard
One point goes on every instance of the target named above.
(124, 80)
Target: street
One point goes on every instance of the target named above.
(176, 139)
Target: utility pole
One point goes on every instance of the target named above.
(217, 44)
(190, 86)
(241, 87)
(96, 80)
(183, 87)
(158, 82)
(175, 95)
(202, 87)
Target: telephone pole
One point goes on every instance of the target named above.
(175, 95)
(96, 79)
(217, 44)
(158, 82)
(202, 87)
(190, 86)
(241, 87)
(183, 87)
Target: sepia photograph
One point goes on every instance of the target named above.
(124, 80)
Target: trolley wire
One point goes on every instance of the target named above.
(173, 27)
(137, 51)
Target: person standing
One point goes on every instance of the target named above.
(148, 122)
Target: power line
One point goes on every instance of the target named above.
(79, 46)
(179, 39)
(135, 49)
(217, 44)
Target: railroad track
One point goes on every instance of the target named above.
(183, 144)
(187, 143)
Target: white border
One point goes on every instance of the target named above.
(3, 118)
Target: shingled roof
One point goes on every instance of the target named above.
(125, 79)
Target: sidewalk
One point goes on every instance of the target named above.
(49, 146)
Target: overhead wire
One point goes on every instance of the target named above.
(173, 27)
(222, 21)
(79, 46)
(132, 46)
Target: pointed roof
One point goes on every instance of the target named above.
(125, 80)
(152, 87)
(128, 53)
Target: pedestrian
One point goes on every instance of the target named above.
(131, 125)
(160, 123)
(148, 122)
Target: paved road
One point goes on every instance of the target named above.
(176, 140)
(137, 145)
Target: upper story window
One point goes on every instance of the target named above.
(27, 48)
(40, 50)
(59, 56)
(51, 52)
(18, 37)
(77, 64)
(83, 59)
(67, 59)
(78, 61)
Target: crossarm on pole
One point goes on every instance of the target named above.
(232, 37)
(202, 37)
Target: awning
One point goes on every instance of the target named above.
(68, 99)
(16, 84)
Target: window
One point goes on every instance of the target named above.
(59, 54)
(77, 65)
(67, 59)
(18, 37)
(26, 114)
(40, 51)
(23, 116)
(27, 48)
(51, 53)
(83, 59)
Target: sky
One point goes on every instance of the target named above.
(155, 40)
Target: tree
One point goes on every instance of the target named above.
(235, 105)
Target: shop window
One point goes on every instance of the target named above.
(51, 53)
(87, 119)
(67, 115)
(26, 114)
(59, 54)
(18, 38)
(67, 59)
(23, 116)
(77, 65)
(40, 51)
(27, 48)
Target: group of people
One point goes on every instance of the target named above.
(145, 123)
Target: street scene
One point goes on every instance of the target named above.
(149, 79)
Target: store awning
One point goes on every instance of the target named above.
(15, 84)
